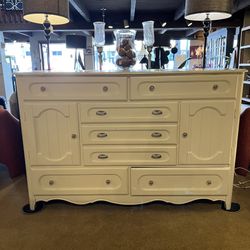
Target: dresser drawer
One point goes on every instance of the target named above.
(83, 88)
(129, 112)
(129, 155)
(158, 181)
(80, 181)
(183, 86)
(129, 134)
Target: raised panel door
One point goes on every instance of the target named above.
(53, 133)
(206, 131)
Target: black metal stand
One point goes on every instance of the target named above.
(235, 207)
(47, 30)
(206, 28)
(38, 207)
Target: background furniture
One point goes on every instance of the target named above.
(11, 152)
(130, 138)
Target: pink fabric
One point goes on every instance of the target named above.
(11, 146)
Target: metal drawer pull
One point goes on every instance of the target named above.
(156, 156)
(150, 183)
(43, 89)
(209, 182)
(151, 88)
(156, 134)
(101, 112)
(105, 89)
(215, 87)
(108, 182)
(51, 182)
(185, 134)
(103, 156)
(157, 112)
(73, 136)
(102, 135)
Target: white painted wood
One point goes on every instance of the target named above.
(206, 132)
(129, 134)
(129, 155)
(129, 107)
(129, 112)
(51, 129)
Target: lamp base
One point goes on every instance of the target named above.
(100, 50)
(149, 49)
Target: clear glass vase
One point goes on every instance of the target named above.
(125, 47)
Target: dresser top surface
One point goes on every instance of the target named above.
(131, 73)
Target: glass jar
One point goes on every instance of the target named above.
(125, 47)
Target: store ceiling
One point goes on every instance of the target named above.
(84, 12)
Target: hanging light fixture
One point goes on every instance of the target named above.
(48, 13)
(207, 11)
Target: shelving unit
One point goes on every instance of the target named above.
(244, 59)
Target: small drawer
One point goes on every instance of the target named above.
(129, 155)
(158, 181)
(129, 134)
(80, 181)
(183, 86)
(128, 112)
(83, 88)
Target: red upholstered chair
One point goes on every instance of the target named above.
(243, 147)
(11, 147)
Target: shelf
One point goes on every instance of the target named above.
(246, 28)
(245, 47)
(244, 64)
(246, 82)
(244, 107)
(245, 99)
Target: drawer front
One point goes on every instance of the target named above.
(84, 88)
(129, 134)
(127, 112)
(129, 155)
(80, 181)
(145, 181)
(185, 87)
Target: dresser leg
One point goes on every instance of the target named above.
(233, 208)
(29, 209)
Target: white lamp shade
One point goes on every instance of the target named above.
(148, 33)
(34, 11)
(99, 28)
(197, 10)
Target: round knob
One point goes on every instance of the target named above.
(73, 136)
(101, 112)
(156, 156)
(102, 135)
(43, 89)
(150, 183)
(108, 182)
(215, 87)
(102, 156)
(51, 182)
(105, 89)
(185, 134)
(209, 182)
(151, 88)
(157, 112)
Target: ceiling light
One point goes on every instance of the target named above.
(125, 23)
(110, 27)
(189, 23)
(163, 24)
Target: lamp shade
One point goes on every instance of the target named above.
(34, 11)
(197, 10)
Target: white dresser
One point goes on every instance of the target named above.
(130, 137)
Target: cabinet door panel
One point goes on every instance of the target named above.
(206, 130)
(53, 134)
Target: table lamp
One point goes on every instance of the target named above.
(48, 13)
(148, 38)
(207, 11)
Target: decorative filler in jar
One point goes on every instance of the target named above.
(125, 44)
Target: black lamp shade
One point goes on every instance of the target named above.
(197, 10)
(34, 11)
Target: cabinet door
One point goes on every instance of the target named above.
(53, 134)
(206, 131)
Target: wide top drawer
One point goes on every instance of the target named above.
(82, 88)
(183, 86)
